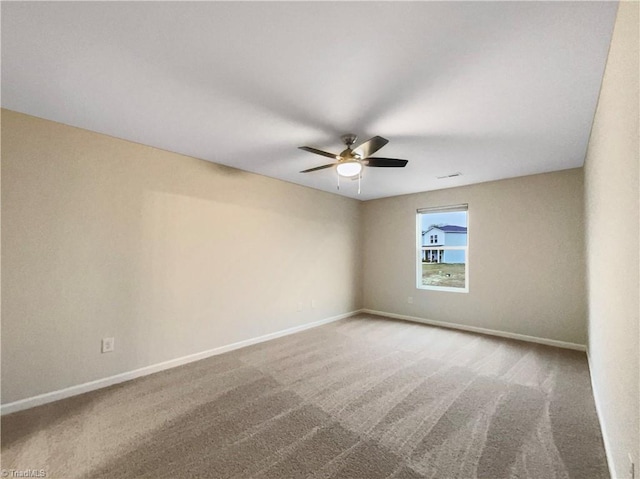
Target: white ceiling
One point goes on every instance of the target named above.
(492, 90)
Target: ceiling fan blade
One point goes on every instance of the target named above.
(319, 152)
(386, 162)
(370, 146)
(318, 168)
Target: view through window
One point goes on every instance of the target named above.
(443, 248)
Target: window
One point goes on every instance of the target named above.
(443, 265)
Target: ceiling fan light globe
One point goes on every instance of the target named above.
(349, 168)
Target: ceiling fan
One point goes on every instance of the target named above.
(350, 162)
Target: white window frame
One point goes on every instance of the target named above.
(420, 248)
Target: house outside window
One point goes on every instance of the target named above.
(442, 261)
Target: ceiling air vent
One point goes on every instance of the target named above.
(452, 175)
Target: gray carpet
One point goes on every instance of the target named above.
(365, 397)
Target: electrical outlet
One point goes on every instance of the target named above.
(410, 300)
(314, 304)
(108, 345)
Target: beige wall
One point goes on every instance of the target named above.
(612, 217)
(526, 250)
(168, 254)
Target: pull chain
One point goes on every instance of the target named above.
(359, 182)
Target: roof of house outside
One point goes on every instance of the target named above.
(449, 229)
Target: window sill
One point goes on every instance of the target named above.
(443, 288)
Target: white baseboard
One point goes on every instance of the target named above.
(605, 435)
(154, 368)
(474, 329)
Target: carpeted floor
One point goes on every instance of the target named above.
(365, 397)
